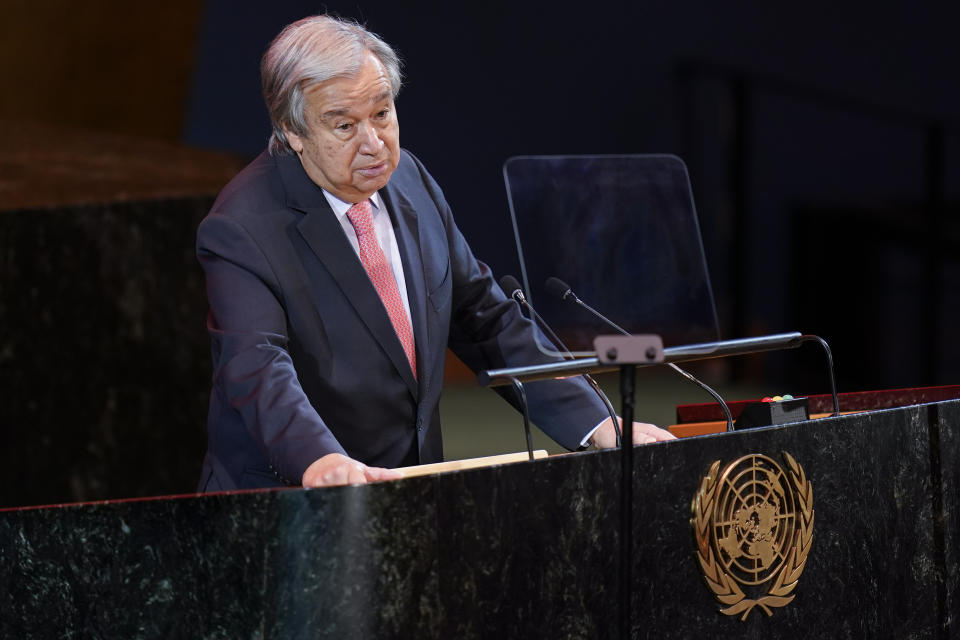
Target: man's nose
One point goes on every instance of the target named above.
(370, 142)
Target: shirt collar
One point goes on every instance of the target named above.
(340, 207)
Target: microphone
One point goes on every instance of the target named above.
(560, 289)
(509, 283)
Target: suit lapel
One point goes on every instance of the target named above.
(406, 230)
(322, 232)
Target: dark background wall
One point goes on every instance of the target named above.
(796, 124)
(823, 145)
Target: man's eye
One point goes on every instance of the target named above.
(345, 126)
(382, 114)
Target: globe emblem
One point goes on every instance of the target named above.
(754, 519)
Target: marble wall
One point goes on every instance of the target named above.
(104, 357)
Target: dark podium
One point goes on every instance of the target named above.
(525, 550)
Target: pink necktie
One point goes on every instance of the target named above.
(371, 255)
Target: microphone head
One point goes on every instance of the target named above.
(512, 288)
(558, 288)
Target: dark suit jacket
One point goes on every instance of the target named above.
(305, 359)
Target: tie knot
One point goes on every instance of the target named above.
(361, 218)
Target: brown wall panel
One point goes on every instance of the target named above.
(105, 65)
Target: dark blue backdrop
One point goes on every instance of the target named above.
(828, 104)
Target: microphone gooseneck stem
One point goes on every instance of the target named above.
(716, 396)
(586, 376)
(833, 379)
(569, 294)
(607, 321)
(628, 376)
(517, 294)
(526, 414)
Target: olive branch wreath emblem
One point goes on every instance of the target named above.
(725, 586)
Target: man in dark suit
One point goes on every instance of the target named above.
(337, 278)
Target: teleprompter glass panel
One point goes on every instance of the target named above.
(622, 231)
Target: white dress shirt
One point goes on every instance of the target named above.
(385, 238)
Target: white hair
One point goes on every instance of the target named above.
(306, 53)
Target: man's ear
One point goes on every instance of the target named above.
(295, 141)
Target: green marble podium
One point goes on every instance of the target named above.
(525, 550)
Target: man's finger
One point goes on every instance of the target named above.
(376, 474)
(336, 476)
(355, 474)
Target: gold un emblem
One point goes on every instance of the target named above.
(753, 524)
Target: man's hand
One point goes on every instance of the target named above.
(335, 469)
(605, 437)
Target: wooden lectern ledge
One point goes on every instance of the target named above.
(469, 463)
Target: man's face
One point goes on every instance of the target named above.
(353, 144)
